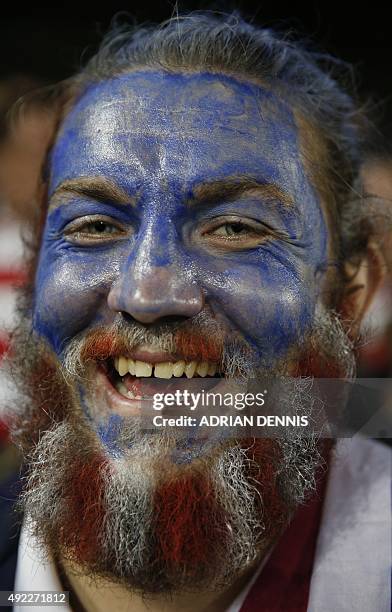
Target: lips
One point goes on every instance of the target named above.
(129, 381)
(136, 379)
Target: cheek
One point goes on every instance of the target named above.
(70, 294)
(272, 306)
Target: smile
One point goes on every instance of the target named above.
(132, 380)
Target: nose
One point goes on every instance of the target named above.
(151, 293)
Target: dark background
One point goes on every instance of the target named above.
(51, 43)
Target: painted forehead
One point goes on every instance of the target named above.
(185, 126)
(196, 100)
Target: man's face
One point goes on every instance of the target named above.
(177, 195)
(182, 228)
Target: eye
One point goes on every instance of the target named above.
(235, 233)
(99, 227)
(228, 230)
(94, 229)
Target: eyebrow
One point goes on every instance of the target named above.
(95, 188)
(231, 188)
(104, 190)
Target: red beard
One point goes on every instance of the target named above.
(190, 520)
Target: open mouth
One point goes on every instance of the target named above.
(136, 379)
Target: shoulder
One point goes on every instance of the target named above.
(354, 549)
(359, 487)
(361, 465)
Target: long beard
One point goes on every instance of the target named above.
(145, 521)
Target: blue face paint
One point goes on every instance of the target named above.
(109, 431)
(160, 139)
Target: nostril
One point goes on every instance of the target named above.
(173, 319)
(126, 316)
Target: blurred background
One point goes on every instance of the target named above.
(41, 46)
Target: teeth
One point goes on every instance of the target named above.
(202, 368)
(211, 369)
(121, 388)
(142, 368)
(163, 369)
(190, 369)
(122, 366)
(178, 368)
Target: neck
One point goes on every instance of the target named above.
(99, 595)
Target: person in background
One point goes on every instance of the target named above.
(375, 353)
(21, 149)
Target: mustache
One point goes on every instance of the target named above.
(196, 338)
(201, 338)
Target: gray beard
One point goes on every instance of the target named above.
(238, 496)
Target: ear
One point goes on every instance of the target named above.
(364, 276)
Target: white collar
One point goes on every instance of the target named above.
(352, 567)
(36, 571)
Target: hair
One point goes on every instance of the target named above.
(334, 127)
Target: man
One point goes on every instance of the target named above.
(376, 356)
(197, 220)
